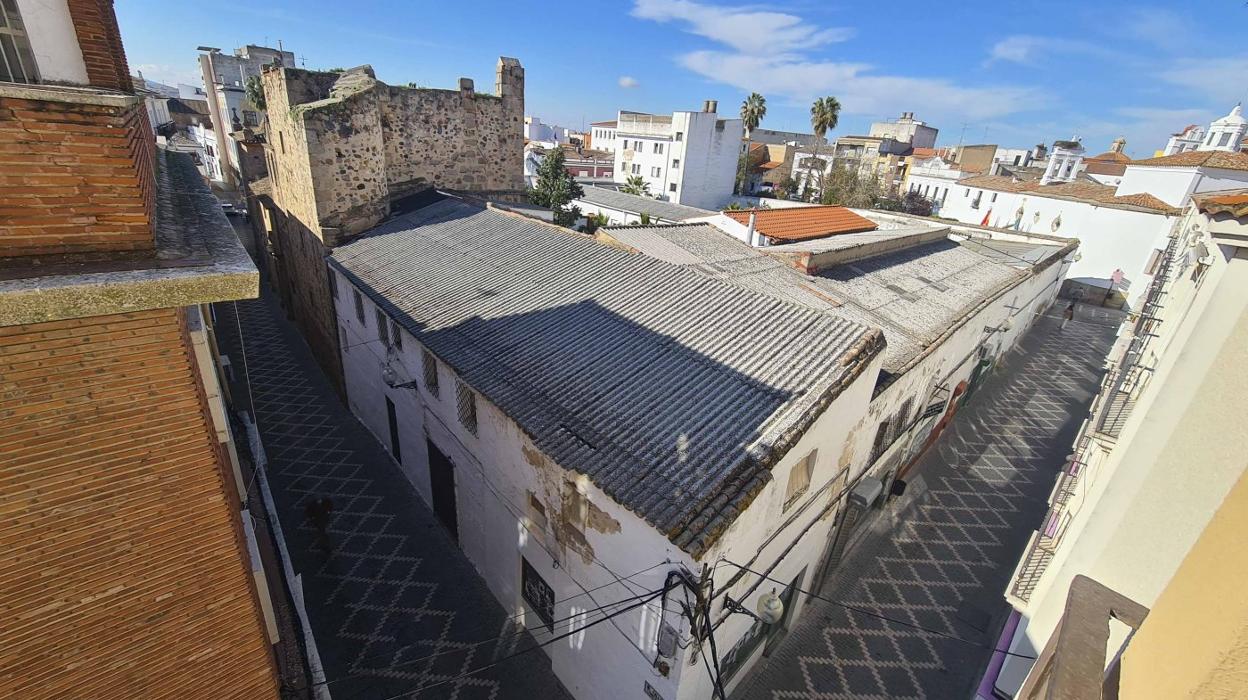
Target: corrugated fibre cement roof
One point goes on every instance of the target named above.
(674, 393)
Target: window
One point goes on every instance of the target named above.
(17, 61)
(281, 141)
(799, 479)
(636, 169)
(383, 328)
(396, 335)
(671, 187)
(656, 172)
(625, 146)
(250, 118)
(675, 164)
(680, 136)
(359, 307)
(466, 403)
(966, 192)
(1226, 138)
(994, 197)
(333, 284)
(902, 420)
(429, 366)
(342, 332)
(880, 444)
(658, 148)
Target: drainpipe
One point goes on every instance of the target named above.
(749, 234)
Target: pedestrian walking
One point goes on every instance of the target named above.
(1068, 315)
(319, 511)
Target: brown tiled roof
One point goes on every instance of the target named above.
(1235, 203)
(923, 153)
(1085, 191)
(1111, 156)
(1207, 159)
(803, 223)
(1105, 167)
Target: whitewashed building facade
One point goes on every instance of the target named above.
(688, 158)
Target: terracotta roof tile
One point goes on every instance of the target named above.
(1208, 159)
(1235, 203)
(803, 223)
(1111, 156)
(1085, 191)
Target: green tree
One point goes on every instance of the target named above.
(593, 222)
(636, 184)
(555, 188)
(753, 109)
(644, 219)
(825, 113)
(254, 91)
(787, 187)
(916, 204)
(846, 187)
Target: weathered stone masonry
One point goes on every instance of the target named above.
(343, 146)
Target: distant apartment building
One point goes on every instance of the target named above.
(546, 134)
(585, 164)
(225, 80)
(345, 150)
(884, 154)
(780, 138)
(687, 158)
(1131, 585)
(127, 568)
(602, 135)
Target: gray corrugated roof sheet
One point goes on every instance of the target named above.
(631, 203)
(914, 295)
(672, 392)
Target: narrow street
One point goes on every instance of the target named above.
(941, 558)
(394, 604)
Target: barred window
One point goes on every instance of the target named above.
(333, 284)
(17, 61)
(430, 368)
(359, 307)
(396, 335)
(881, 442)
(799, 480)
(383, 328)
(466, 401)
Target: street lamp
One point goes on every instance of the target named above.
(770, 608)
(391, 378)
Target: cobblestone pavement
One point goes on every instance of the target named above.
(394, 588)
(942, 558)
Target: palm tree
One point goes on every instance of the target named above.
(824, 114)
(636, 184)
(753, 109)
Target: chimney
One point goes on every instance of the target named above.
(749, 234)
(710, 106)
(466, 87)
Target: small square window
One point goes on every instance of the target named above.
(383, 328)
(466, 402)
(675, 164)
(680, 136)
(429, 365)
(359, 308)
(671, 187)
(799, 479)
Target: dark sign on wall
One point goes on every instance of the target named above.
(537, 593)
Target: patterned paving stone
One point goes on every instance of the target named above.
(394, 590)
(942, 561)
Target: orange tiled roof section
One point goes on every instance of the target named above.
(1112, 156)
(1209, 159)
(1235, 204)
(803, 223)
(1087, 191)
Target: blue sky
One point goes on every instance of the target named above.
(999, 72)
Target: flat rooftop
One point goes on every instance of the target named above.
(915, 294)
(673, 392)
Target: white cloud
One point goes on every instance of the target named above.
(1218, 79)
(771, 52)
(1031, 50)
(859, 90)
(1158, 27)
(628, 81)
(746, 30)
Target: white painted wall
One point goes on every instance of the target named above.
(1109, 238)
(1141, 506)
(1176, 185)
(157, 111)
(53, 41)
(708, 169)
(602, 138)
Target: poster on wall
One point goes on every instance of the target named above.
(537, 593)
